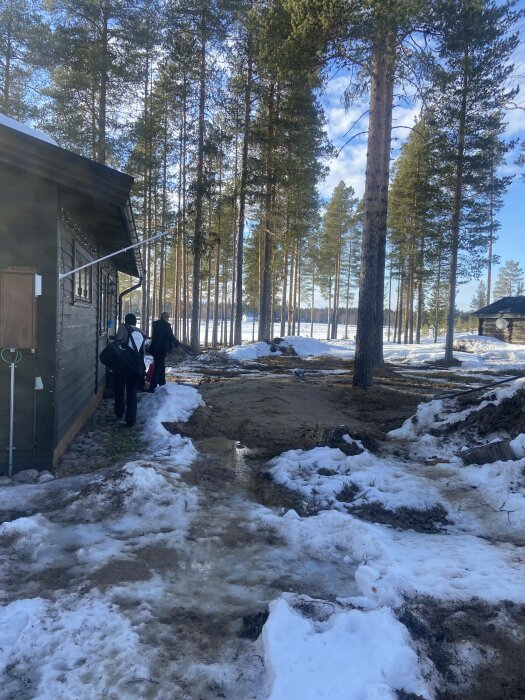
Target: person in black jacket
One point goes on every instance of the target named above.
(126, 382)
(162, 342)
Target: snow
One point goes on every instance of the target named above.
(67, 639)
(84, 645)
(170, 403)
(375, 479)
(17, 126)
(355, 654)
(518, 446)
(478, 353)
(393, 564)
(92, 640)
(430, 414)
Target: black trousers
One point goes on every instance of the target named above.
(159, 372)
(126, 383)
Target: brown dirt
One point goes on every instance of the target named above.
(430, 520)
(506, 418)
(493, 632)
(280, 411)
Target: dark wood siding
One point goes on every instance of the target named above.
(513, 333)
(489, 328)
(28, 206)
(79, 340)
(518, 331)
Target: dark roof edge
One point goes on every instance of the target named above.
(64, 167)
(129, 221)
(505, 305)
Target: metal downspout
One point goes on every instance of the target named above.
(123, 294)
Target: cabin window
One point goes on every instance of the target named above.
(83, 278)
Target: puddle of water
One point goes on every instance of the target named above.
(246, 471)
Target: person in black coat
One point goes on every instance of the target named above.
(162, 342)
(126, 382)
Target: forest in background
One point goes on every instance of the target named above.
(215, 108)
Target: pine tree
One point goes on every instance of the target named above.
(480, 297)
(288, 143)
(24, 50)
(415, 205)
(510, 281)
(370, 38)
(97, 55)
(338, 231)
(468, 92)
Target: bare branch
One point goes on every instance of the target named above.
(361, 133)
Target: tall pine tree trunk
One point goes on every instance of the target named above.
(283, 293)
(312, 305)
(234, 249)
(369, 337)
(456, 217)
(102, 105)
(162, 275)
(198, 241)
(290, 291)
(242, 194)
(299, 287)
(491, 230)
(295, 288)
(215, 329)
(265, 300)
(6, 107)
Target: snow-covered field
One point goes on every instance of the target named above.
(477, 353)
(92, 641)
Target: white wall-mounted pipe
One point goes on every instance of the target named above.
(11, 420)
(61, 275)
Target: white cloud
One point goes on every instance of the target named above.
(340, 120)
(350, 167)
(515, 119)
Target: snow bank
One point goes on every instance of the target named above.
(354, 654)
(518, 446)
(438, 413)
(304, 347)
(394, 563)
(309, 347)
(477, 353)
(427, 414)
(322, 473)
(86, 641)
(252, 351)
(170, 403)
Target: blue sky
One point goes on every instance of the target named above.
(349, 166)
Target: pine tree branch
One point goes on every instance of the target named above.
(361, 133)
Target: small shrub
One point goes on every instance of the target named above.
(348, 492)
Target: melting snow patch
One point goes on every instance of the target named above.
(324, 473)
(354, 654)
(70, 649)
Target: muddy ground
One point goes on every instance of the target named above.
(283, 403)
(290, 403)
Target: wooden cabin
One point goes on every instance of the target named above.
(504, 319)
(58, 211)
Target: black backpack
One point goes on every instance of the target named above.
(121, 358)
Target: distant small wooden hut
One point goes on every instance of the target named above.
(504, 319)
(58, 211)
